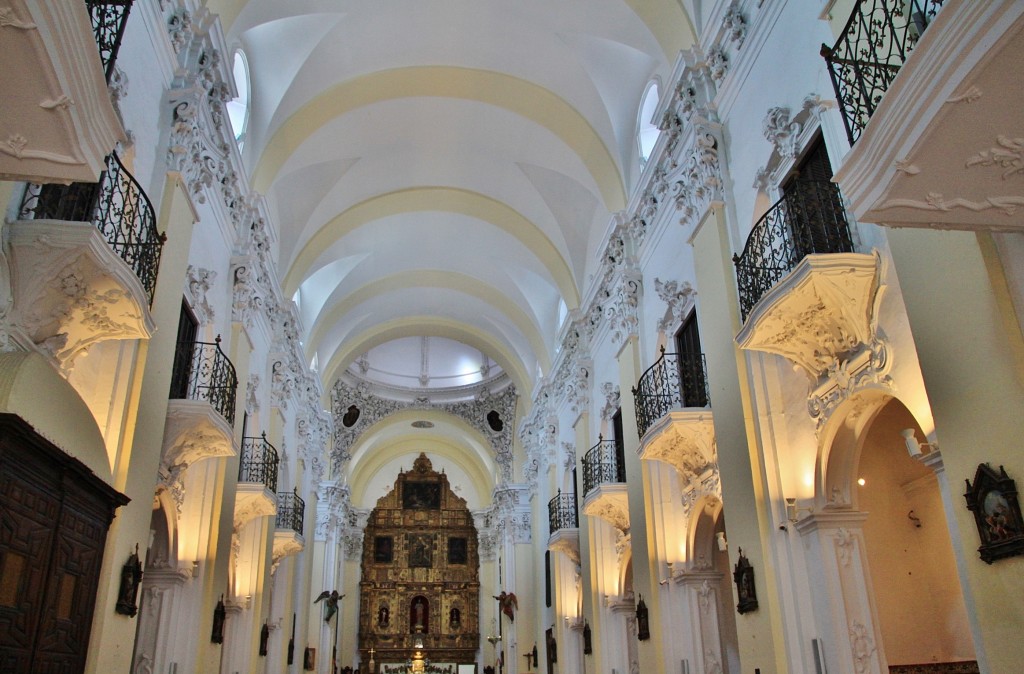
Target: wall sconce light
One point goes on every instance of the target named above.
(914, 448)
(793, 511)
(723, 544)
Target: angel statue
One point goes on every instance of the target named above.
(330, 599)
(508, 604)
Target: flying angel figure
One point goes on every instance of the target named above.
(330, 599)
(508, 604)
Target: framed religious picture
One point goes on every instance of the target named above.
(309, 659)
(421, 550)
(382, 550)
(417, 495)
(457, 550)
(993, 500)
(743, 575)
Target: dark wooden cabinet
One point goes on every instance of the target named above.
(54, 516)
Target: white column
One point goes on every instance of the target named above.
(842, 594)
(703, 603)
(156, 649)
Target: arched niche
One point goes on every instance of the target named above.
(895, 507)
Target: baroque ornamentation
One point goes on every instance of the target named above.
(612, 400)
(677, 295)
(699, 181)
(374, 408)
(869, 367)
(735, 25)
(9, 20)
(1008, 154)
(622, 313)
(781, 131)
(862, 646)
(252, 399)
(934, 201)
(199, 281)
(845, 543)
(718, 64)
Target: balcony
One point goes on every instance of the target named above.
(85, 265)
(58, 58)
(291, 512)
(117, 206)
(958, 95)
(259, 463)
(808, 219)
(288, 538)
(109, 18)
(675, 381)
(200, 412)
(562, 512)
(604, 488)
(204, 374)
(874, 45)
(256, 495)
(563, 525)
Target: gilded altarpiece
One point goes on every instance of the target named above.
(420, 573)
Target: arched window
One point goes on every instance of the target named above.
(238, 107)
(647, 133)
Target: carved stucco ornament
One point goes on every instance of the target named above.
(684, 440)
(72, 291)
(819, 314)
(610, 502)
(823, 318)
(193, 432)
(566, 541)
(678, 295)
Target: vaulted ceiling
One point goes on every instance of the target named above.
(445, 168)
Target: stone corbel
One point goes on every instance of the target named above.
(72, 291)
(253, 500)
(684, 440)
(566, 541)
(193, 432)
(819, 315)
(609, 502)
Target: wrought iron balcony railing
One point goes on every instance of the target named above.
(676, 380)
(808, 219)
(291, 512)
(203, 372)
(119, 209)
(259, 462)
(562, 512)
(604, 463)
(109, 18)
(874, 45)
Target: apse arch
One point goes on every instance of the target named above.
(394, 437)
(517, 95)
(433, 278)
(443, 199)
(429, 326)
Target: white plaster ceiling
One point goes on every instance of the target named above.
(445, 168)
